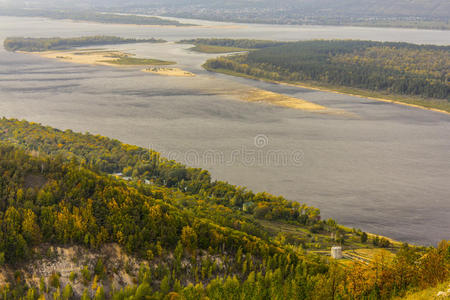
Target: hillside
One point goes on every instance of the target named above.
(166, 231)
(441, 291)
(87, 15)
(400, 13)
(431, 14)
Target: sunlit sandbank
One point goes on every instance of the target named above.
(169, 71)
(257, 95)
(100, 57)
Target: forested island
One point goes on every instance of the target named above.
(417, 74)
(68, 50)
(228, 45)
(91, 16)
(57, 43)
(126, 222)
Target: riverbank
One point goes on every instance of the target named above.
(440, 106)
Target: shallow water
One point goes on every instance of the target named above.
(384, 168)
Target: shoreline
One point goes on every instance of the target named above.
(257, 95)
(365, 97)
(98, 57)
(325, 89)
(88, 57)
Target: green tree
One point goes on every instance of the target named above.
(67, 293)
(364, 237)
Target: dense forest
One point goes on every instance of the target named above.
(228, 45)
(197, 238)
(236, 43)
(392, 68)
(44, 44)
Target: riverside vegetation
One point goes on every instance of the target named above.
(60, 48)
(195, 238)
(46, 44)
(228, 45)
(416, 74)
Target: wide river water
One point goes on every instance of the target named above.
(381, 167)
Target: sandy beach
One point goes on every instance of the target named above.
(88, 57)
(113, 58)
(264, 96)
(177, 72)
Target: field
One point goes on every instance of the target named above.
(318, 241)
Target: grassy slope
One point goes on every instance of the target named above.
(441, 105)
(320, 242)
(428, 294)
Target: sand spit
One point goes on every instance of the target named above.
(258, 95)
(87, 57)
(361, 96)
(111, 58)
(263, 96)
(177, 72)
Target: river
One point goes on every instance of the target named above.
(382, 167)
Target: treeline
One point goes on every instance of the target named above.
(46, 199)
(235, 43)
(91, 16)
(44, 44)
(197, 240)
(397, 68)
(111, 156)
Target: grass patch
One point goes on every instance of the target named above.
(427, 294)
(216, 49)
(322, 241)
(134, 61)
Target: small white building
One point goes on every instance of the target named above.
(336, 252)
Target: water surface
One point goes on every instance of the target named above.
(385, 169)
